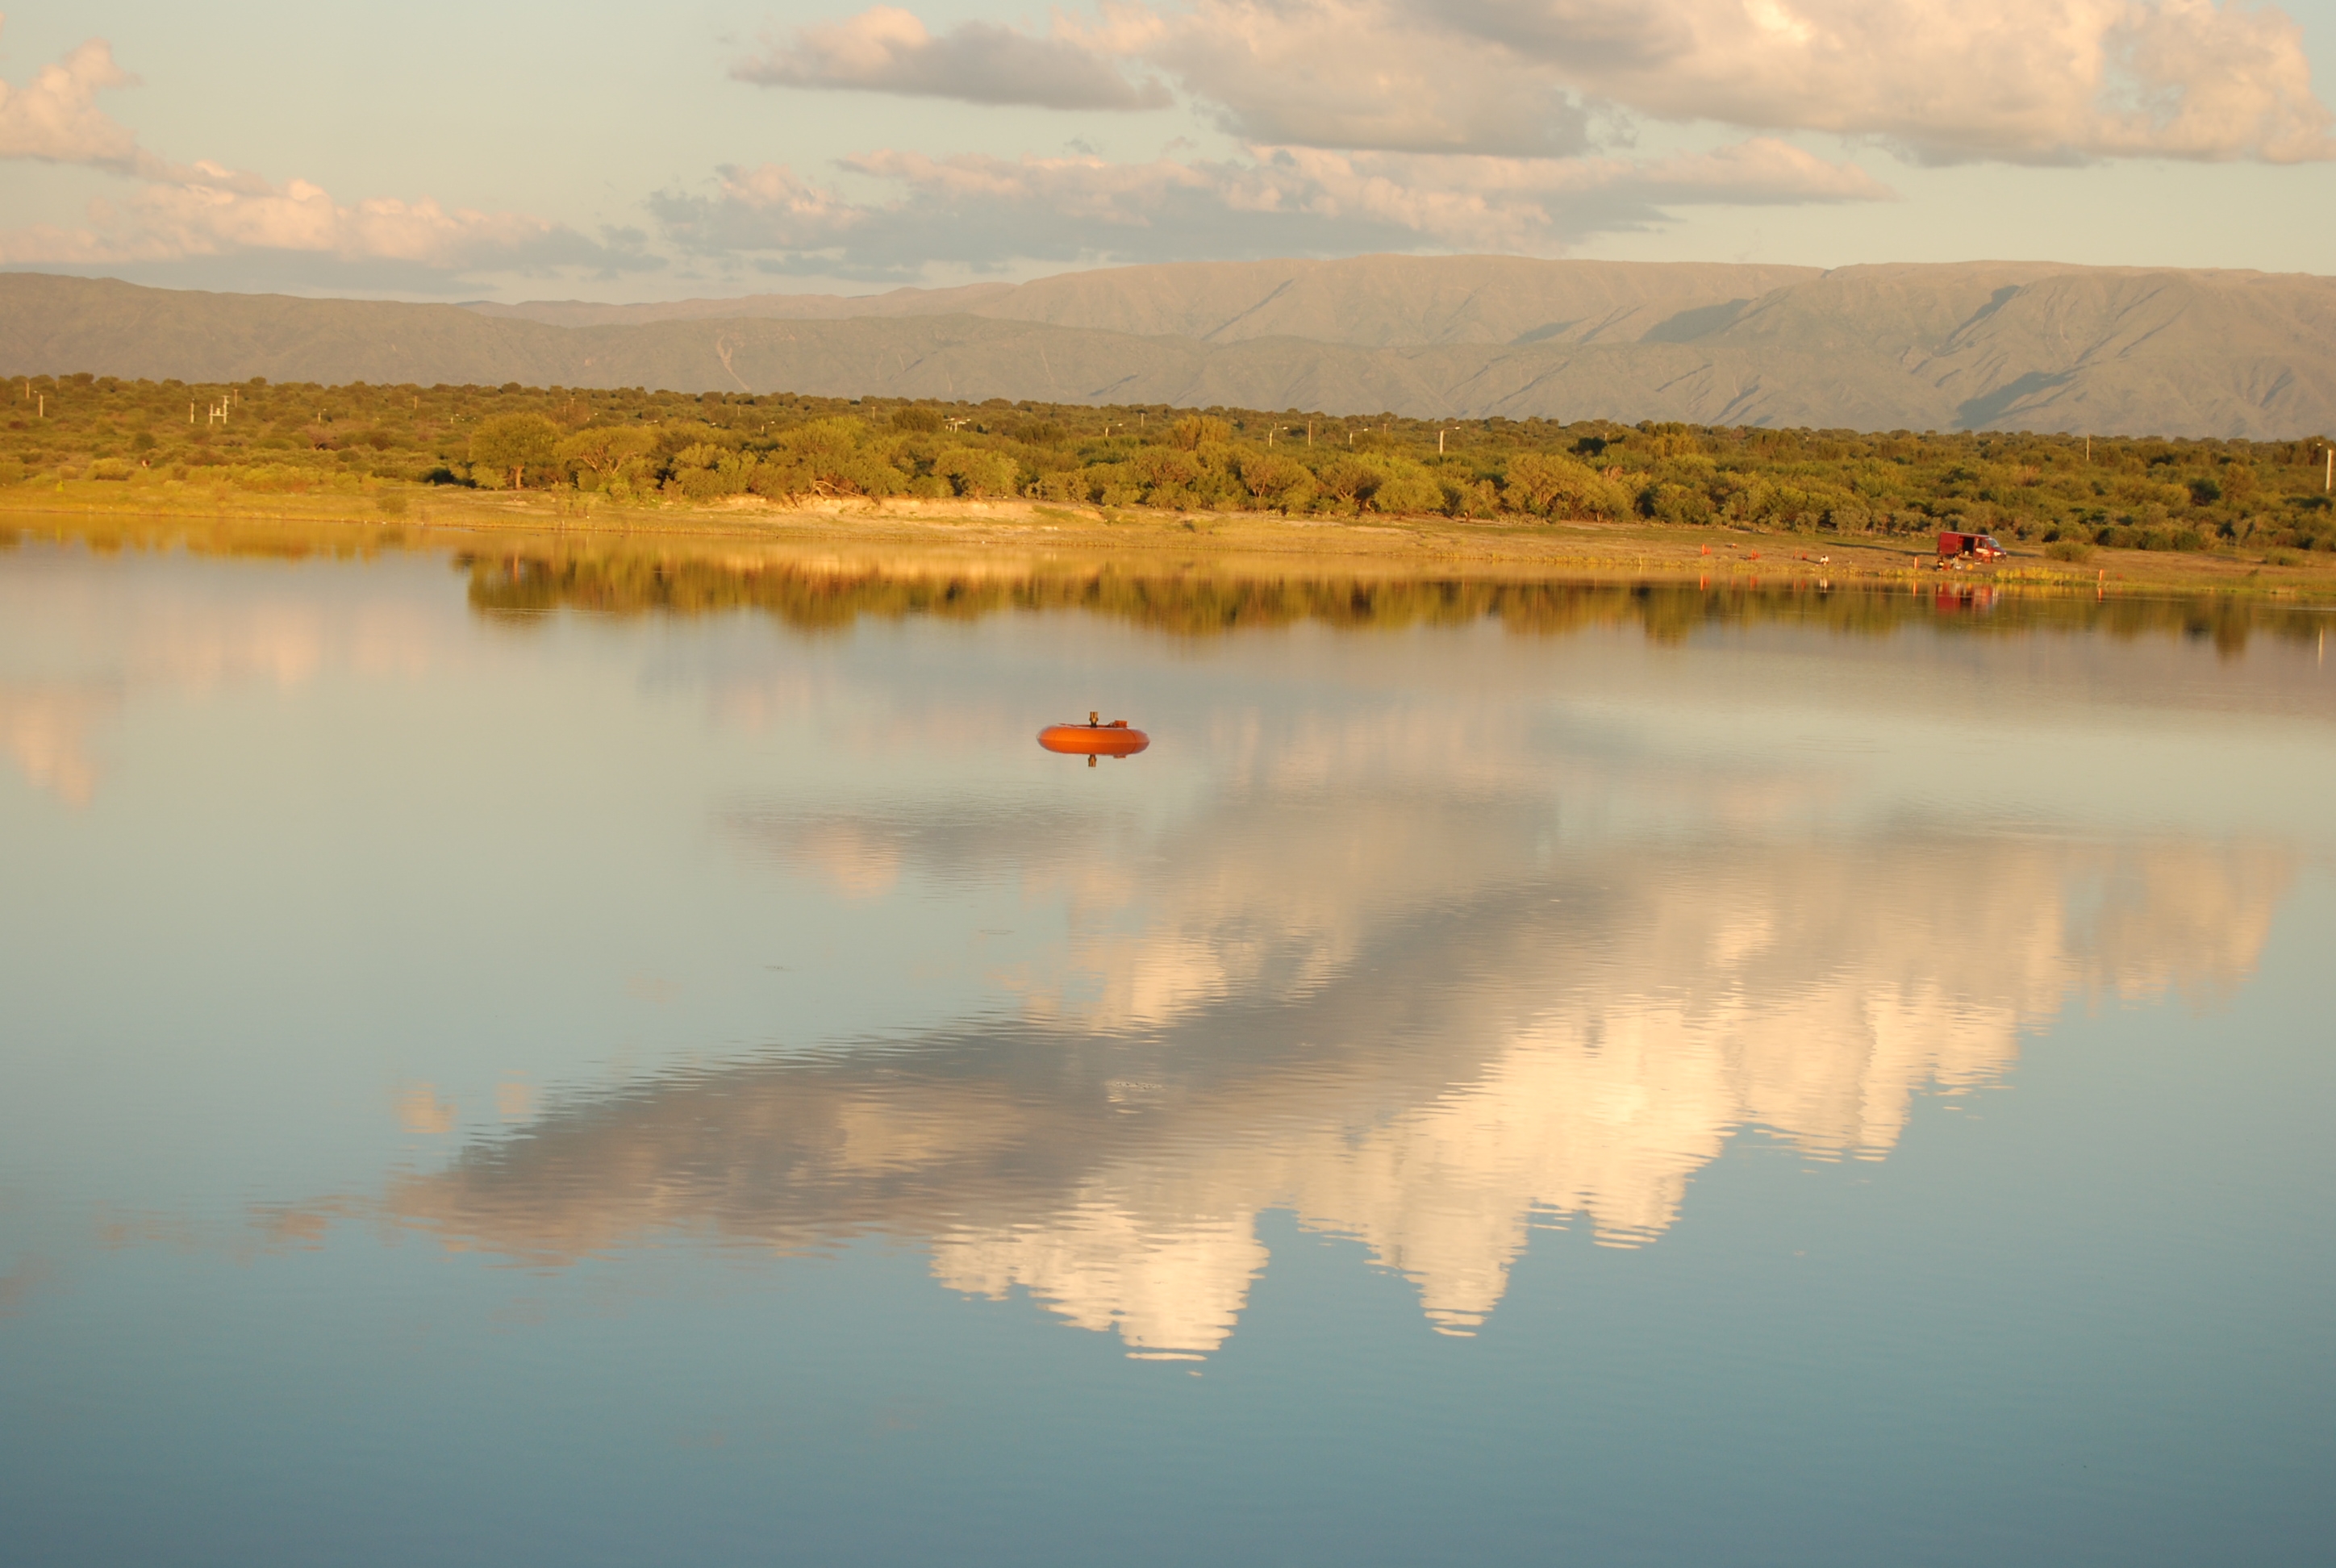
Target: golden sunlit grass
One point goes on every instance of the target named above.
(407, 516)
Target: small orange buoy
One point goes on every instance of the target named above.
(1094, 738)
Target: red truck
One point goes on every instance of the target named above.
(1975, 546)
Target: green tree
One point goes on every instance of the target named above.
(595, 455)
(513, 446)
(1195, 431)
(705, 471)
(1554, 485)
(1403, 485)
(1278, 482)
(1349, 482)
(976, 472)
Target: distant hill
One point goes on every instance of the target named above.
(1981, 344)
(1374, 301)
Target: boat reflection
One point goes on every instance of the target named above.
(1423, 954)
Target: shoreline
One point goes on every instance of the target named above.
(1585, 551)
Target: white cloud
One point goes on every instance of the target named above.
(54, 117)
(888, 50)
(185, 211)
(989, 212)
(1941, 80)
(208, 210)
(1336, 74)
(2031, 81)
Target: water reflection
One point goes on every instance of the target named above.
(1433, 1075)
(1427, 966)
(76, 650)
(822, 584)
(1213, 595)
(47, 729)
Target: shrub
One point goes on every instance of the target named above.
(1470, 497)
(634, 477)
(512, 448)
(1195, 431)
(593, 455)
(1113, 483)
(825, 443)
(2069, 549)
(1404, 486)
(1278, 482)
(869, 475)
(1169, 468)
(702, 473)
(1347, 482)
(1554, 485)
(976, 473)
(1675, 503)
(1062, 485)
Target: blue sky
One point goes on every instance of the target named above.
(606, 151)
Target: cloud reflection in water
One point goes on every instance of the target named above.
(1413, 949)
(1431, 1051)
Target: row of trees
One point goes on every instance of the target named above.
(616, 576)
(1197, 465)
(617, 573)
(645, 447)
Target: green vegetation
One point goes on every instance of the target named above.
(638, 448)
(817, 587)
(815, 595)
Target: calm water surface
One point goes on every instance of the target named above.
(494, 1069)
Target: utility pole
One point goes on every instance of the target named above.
(1310, 433)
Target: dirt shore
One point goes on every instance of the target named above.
(410, 517)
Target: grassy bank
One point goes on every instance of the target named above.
(390, 515)
(2267, 503)
(815, 577)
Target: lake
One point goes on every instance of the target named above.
(546, 1052)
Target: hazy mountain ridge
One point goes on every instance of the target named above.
(750, 306)
(1391, 301)
(2011, 345)
(1370, 300)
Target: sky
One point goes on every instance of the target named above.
(602, 151)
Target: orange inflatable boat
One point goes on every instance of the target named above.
(1094, 738)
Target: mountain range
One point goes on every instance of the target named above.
(1966, 345)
